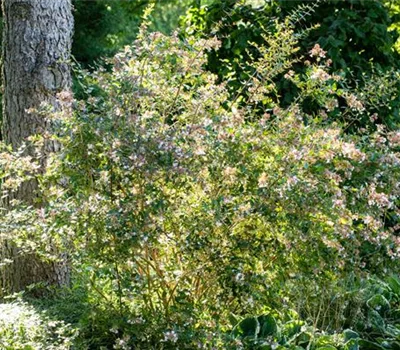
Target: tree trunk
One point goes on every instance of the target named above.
(36, 49)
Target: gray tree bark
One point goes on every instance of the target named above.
(36, 50)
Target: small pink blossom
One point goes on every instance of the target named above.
(317, 51)
(320, 75)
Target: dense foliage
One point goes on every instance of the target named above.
(357, 36)
(194, 217)
(208, 211)
(102, 27)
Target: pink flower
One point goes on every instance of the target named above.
(394, 138)
(317, 51)
(320, 75)
(354, 103)
(379, 199)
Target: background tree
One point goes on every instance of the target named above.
(103, 27)
(357, 36)
(36, 48)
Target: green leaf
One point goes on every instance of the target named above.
(249, 327)
(395, 345)
(327, 347)
(324, 342)
(293, 327)
(349, 334)
(352, 344)
(369, 345)
(394, 283)
(233, 319)
(303, 338)
(379, 303)
(268, 325)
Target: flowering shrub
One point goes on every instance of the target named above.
(180, 207)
